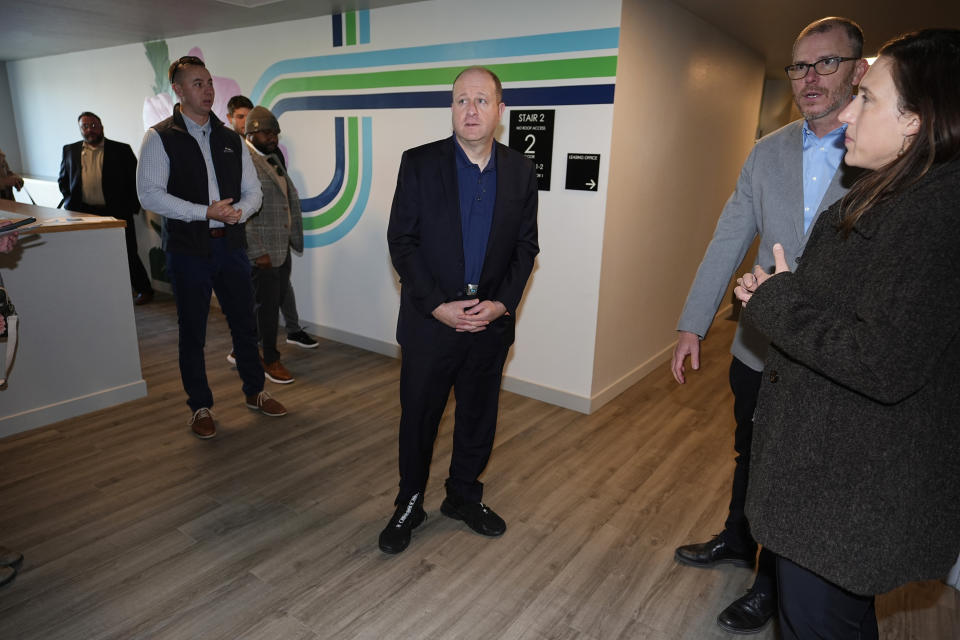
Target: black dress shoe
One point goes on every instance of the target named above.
(10, 558)
(7, 574)
(408, 516)
(144, 297)
(477, 515)
(749, 613)
(716, 551)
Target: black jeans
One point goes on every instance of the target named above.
(471, 363)
(139, 279)
(225, 271)
(269, 286)
(745, 384)
(812, 607)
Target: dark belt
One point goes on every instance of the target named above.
(218, 232)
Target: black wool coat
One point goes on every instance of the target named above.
(855, 467)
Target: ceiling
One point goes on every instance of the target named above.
(33, 28)
(770, 27)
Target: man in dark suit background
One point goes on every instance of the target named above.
(99, 176)
(463, 238)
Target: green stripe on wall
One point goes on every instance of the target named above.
(596, 67)
(336, 211)
(351, 27)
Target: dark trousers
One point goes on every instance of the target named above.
(814, 608)
(139, 279)
(269, 287)
(288, 307)
(745, 384)
(473, 365)
(225, 271)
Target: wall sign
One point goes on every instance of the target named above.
(531, 133)
(583, 171)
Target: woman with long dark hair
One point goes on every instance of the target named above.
(855, 474)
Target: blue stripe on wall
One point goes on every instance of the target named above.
(523, 97)
(364, 16)
(547, 43)
(363, 195)
(337, 31)
(336, 182)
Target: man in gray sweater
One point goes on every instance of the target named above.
(789, 177)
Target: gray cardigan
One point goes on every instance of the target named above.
(768, 200)
(856, 450)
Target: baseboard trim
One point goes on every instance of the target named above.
(520, 386)
(550, 395)
(389, 349)
(629, 379)
(71, 408)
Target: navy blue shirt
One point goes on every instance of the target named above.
(478, 193)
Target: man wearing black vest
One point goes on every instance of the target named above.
(198, 175)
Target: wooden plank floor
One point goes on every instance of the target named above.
(132, 528)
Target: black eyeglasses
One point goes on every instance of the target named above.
(823, 67)
(185, 61)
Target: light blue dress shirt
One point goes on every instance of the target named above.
(821, 158)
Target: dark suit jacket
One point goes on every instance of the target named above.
(119, 179)
(426, 240)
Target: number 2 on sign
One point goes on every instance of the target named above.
(532, 140)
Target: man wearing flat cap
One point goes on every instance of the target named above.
(271, 233)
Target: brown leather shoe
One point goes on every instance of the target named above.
(266, 405)
(10, 558)
(202, 424)
(143, 297)
(276, 372)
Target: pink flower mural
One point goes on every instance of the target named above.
(156, 108)
(160, 105)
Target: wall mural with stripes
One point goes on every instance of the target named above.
(353, 90)
(537, 70)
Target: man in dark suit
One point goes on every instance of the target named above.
(99, 176)
(463, 238)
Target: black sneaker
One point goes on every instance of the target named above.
(477, 515)
(302, 340)
(408, 516)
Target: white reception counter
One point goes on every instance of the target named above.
(78, 347)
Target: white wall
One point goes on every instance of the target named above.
(685, 116)
(348, 289)
(615, 264)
